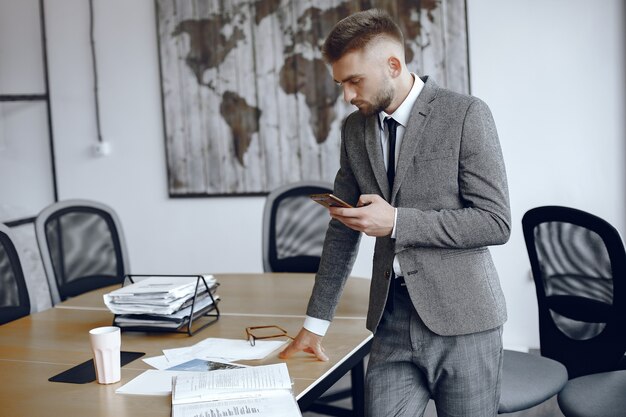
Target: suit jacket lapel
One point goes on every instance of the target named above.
(374, 151)
(413, 133)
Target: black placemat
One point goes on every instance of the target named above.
(86, 372)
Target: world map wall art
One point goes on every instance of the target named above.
(249, 104)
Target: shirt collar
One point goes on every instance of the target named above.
(403, 112)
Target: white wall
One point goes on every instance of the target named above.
(552, 72)
(24, 143)
(164, 235)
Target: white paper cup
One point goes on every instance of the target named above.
(105, 344)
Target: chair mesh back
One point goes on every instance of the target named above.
(294, 228)
(83, 244)
(9, 292)
(14, 301)
(300, 227)
(574, 262)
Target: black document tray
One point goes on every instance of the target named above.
(187, 325)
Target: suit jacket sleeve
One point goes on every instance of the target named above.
(340, 248)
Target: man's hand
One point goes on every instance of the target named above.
(372, 216)
(305, 341)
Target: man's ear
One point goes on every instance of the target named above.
(394, 66)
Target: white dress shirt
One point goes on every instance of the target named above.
(400, 115)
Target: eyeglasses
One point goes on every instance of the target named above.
(265, 332)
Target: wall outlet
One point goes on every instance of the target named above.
(102, 148)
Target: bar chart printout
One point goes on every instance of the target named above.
(235, 411)
(277, 405)
(224, 410)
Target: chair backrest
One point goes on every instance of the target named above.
(14, 302)
(82, 247)
(579, 267)
(294, 228)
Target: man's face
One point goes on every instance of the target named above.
(364, 81)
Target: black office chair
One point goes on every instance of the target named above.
(579, 267)
(595, 395)
(14, 302)
(82, 247)
(294, 228)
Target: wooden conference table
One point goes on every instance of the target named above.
(39, 346)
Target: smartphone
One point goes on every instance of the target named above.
(329, 200)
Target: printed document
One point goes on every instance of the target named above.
(264, 391)
(230, 349)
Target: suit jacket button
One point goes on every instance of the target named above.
(387, 274)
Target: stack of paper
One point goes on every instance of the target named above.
(161, 301)
(260, 390)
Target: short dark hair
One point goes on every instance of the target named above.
(357, 31)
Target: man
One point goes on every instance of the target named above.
(436, 307)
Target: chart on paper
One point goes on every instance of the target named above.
(242, 410)
(258, 407)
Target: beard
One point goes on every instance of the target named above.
(382, 99)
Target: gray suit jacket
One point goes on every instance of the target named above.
(452, 198)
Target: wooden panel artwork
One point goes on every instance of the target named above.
(248, 102)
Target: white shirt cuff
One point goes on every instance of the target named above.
(395, 220)
(317, 326)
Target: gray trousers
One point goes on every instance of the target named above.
(409, 364)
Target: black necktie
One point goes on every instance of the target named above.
(392, 125)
